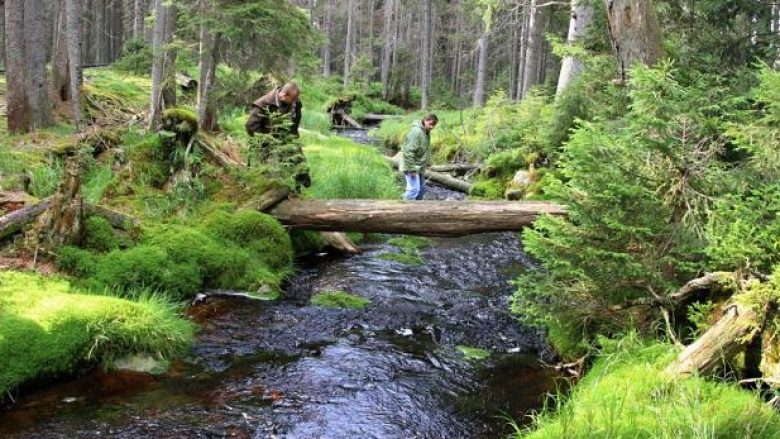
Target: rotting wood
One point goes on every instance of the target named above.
(18, 219)
(433, 218)
(341, 242)
(727, 337)
(118, 220)
(438, 177)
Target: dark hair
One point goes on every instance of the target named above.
(431, 116)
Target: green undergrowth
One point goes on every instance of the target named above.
(48, 328)
(219, 248)
(339, 299)
(627, 395)
(342, 169)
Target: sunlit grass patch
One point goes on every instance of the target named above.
(627, 395)
(47, 328)
(342, 169)
(339, 299)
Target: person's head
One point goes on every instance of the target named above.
(289, 92)
(429, 121)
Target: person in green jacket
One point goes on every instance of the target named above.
(416, 156)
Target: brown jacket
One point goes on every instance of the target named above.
(266, 115)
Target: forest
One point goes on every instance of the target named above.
(204, 229)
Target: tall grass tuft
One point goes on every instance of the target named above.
(342, 169)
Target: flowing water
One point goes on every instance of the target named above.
(287, 369)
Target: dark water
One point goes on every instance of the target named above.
(290, 370)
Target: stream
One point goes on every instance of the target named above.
(287, 369)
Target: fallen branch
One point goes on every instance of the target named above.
(20, 218)
(719, 344)
(719, 279)
(438, 177)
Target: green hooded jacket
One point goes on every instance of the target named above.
(416, 151)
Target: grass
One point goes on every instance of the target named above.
(48, 329)
(404, 257)
(339, 299)
(410, 243)
(472, 354)
(342, 169)
(627, 395)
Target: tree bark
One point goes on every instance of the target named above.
(18, 219)
(479, 87)
(35, 51)
(207, 67)
(348, 45)
(635, 33)
(571, 67)
(434, 218)
(719, 344)
(73, 19)
(139, 14)
(425, 58)
(533, 52)
(158, 62)
(327, 27)
(60, 85)
(17, 105)
(387, 50)
(169, 65)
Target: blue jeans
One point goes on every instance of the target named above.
(415, 186)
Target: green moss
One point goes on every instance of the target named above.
(408, 258)
(473, 354)
(627, 395)
(46, 329)
(339, 299)
(99, 235)
(409, 243)
(492, 189)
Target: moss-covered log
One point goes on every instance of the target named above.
(435, 218)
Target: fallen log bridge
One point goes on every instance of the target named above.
(432, 218)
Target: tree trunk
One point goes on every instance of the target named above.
(35, 50)
(158, 62)
(169, 66)
(327, 26)
(533, 52)
(348, 45)
(434, 218)
(479, 87)
(571, 67)
(387, 50)
(60, 85)
(719, 344)
(207, 65)
(73, 24)
(523, 49)
(139, 14)
(635, 33)
(100, 30)
(425, 58)
(17, 104)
